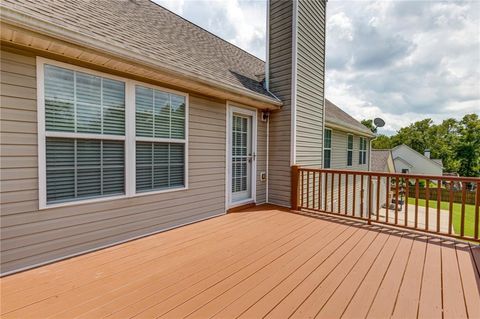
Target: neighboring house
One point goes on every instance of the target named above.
(119, 121)
(410, 161)
(347, 141)
(382, 161)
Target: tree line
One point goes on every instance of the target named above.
(455, 142)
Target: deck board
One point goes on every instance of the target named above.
(262, 262)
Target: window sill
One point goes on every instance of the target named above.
(109, 198)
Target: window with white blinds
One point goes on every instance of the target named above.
(79, 166)
(160, 139)
(84, 125)
(362, 156)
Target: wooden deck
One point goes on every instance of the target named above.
(263, 262)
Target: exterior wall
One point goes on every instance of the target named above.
(30, 236)
(339, 162)
(339, 151)
(405, 157)
(296, 59)
(280, 83)
(261, 158)
(310, 82)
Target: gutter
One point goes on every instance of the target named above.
(24, 21)
(348, 129)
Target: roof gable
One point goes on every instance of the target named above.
(406, 148)
(335, 115)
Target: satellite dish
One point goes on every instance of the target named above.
(379, 122)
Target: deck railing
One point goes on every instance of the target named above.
(415, 202)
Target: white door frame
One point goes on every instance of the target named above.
(244, 110)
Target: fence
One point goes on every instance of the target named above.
(384, 198)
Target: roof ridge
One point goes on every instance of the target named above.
(203, 29)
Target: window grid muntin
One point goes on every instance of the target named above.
(327, 149)
(362, 154)
(172, 139)
(349, 150)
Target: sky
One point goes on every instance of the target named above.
(399, 60)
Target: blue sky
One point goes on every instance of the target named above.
(399, 60)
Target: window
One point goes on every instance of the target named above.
(362, 158)
(349, 150)
(160, 139)
(103, 136)
(327, 148)
(85, 133)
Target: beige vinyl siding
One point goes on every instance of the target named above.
(30, 236)
(261, 158)
(310, 82)
(280, 83)
(339, 151)
(339, 162)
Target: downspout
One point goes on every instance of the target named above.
(266, 166)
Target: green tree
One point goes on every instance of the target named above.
(382, 142)
(468, 147)
(370, 125)
(416, 135)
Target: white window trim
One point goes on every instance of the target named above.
(361, 151)
(350, 149)
(242, 109)
(327, 148)
(129, 137)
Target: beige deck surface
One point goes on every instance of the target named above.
(263, 262)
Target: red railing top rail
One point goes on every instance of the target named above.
(369, 173)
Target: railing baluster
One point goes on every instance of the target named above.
(339, 193)
(369, 198)
(313, 186)
(450, 208)
(320, 179)
(477, 211)
(387, 205)
(417, 194)
(407, 194)
(326, 192)
(427, 199)
(331, 192)
(354, 194)
(378, 196)
(346, 193)
(361, 195)
(464, 198)
(308, 189)
(397, 186)
(302, 188)
(439, 194)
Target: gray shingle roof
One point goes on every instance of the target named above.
(152, 31)
(335, 115)
(380, 160)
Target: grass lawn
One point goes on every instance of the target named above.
(457, 214)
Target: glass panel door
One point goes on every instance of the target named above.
(241, 157)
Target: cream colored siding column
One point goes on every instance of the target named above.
(309, 82)
(30, 237)
(280, 75)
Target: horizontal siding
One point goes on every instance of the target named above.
(310, 86)
(339, 151)
(261, 158)
(280, 79)
(29, 236)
